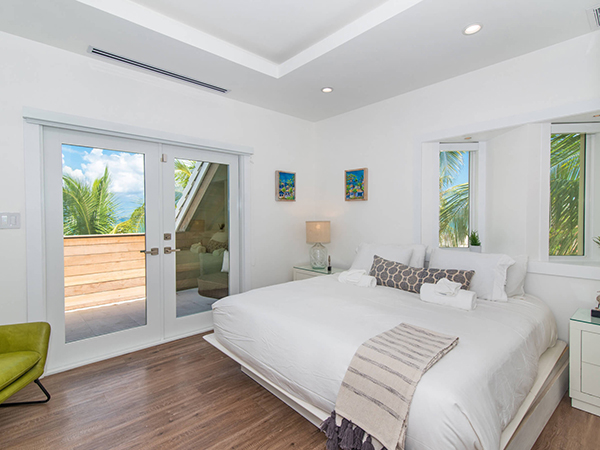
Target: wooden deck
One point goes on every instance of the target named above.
(104, 269)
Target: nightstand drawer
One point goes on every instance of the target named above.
(590, 379)
(590, 348)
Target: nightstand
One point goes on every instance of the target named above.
(584, 361)
(304, 272)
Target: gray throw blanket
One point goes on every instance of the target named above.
(375, 396)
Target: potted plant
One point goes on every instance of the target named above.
(474, 242)
(597, 240)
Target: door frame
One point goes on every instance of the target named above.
(34, 123)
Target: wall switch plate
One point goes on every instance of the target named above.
(10, 220)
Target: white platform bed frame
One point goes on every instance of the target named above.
(520, 434)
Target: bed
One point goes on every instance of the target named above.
(495, 390)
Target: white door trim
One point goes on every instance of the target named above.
(66, 121)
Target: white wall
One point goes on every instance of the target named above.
(513, 191)
(385, 137)
(39, 76)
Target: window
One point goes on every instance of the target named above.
(567, 194)
(455, 198)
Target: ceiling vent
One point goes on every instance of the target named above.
(594, 17)
(141, 65)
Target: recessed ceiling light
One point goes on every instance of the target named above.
(327, 90)
(472, 29)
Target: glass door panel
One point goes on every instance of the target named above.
(201, 235)
(104, 214)
(101, 215)
(201, 225)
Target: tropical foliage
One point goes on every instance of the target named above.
(183, 171)
(88, 208)
(454, 201)
(91, 208)
(566, 182)
(135, 224)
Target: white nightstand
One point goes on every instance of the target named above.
(584, 361)
(304, 272)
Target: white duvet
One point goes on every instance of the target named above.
(302, 336)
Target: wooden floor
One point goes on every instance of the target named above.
(187, 395)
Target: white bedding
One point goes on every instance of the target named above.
(302, 336)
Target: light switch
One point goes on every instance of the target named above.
(10, 220)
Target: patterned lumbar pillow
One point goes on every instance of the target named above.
(401, 276)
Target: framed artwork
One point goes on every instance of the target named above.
(356, 186)
(285, 186)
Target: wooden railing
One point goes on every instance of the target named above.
(104, 269)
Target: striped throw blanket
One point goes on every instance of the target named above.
(375, 396)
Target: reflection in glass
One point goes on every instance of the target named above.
(104, 231)
(201, 234)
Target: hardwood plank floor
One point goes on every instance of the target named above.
(187, 395)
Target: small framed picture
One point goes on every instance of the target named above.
(356, 184)
(285, 186)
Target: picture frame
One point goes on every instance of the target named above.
(285, 186)
(356, 187)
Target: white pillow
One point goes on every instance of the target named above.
(515, 276)
(412, 255)
(490, 270)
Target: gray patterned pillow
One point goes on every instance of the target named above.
(400, 276)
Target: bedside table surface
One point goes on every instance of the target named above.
(585, 315)
(308, 268)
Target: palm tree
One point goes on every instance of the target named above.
(183, 171)
(135, 224)
(454, 201)
(88, 209)
(565, 190)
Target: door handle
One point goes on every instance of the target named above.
(153, 251)
(171, 250)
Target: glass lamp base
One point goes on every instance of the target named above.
(318, 256)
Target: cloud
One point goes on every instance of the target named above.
(126, 170)
(78, 174)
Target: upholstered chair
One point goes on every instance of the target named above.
(23, 351)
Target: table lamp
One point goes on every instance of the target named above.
(317, 232)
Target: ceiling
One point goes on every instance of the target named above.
(279, 54)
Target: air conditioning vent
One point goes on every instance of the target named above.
(141, 65)
(594, 17)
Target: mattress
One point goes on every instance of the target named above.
(302, 335)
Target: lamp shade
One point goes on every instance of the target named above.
(317, 231)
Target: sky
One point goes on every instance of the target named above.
(126, 172)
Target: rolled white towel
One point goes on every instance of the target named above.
(466, 300)
(447, 287)
(351, 276)
(367, 281)
(357, 277)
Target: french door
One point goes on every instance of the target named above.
(140, 239)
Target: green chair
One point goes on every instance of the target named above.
(23, 351)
